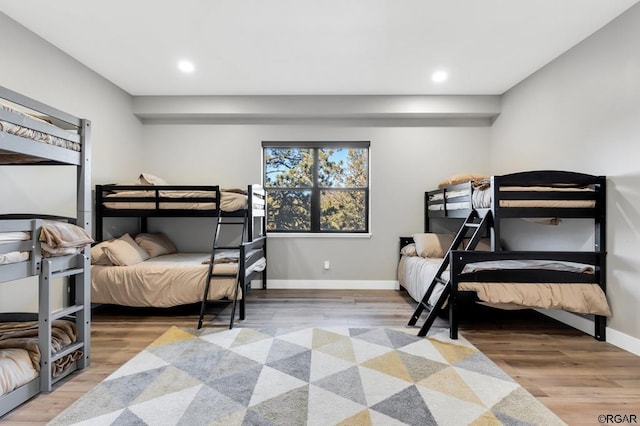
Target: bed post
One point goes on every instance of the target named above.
(82, 281)
(99, 220)
(600, 322)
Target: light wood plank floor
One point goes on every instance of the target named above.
(574, 375)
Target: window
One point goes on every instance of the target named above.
(317, 187)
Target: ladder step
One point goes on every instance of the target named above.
(472, 225)
(441, 280)
(67, 273)
(67, 350)
(66, 312)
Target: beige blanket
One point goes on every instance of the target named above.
(24, 335)
(163, 281)
(579, 298)
(25, 132)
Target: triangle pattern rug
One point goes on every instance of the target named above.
(307, 376)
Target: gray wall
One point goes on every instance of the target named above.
(405, 161)
(582, 113)
(35, 68)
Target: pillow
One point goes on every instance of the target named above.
(461, 178)
(156, 244)
(409, 250)
(149, 179)
(433, 245)
(483, 245)
(98, 256)
(124, 251)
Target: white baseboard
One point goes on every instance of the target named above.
(615, 337)
(333, 284)
(623, 341)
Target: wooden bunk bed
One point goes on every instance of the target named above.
(201, 277)
(57, 342)
(569, 280)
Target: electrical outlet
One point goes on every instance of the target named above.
(327, 265)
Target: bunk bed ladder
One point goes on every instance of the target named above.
(225, 222)
(470, 223)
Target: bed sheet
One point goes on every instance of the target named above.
(163, 281)
(416, 273)
(16, 369)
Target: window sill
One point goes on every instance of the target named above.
(315, 235)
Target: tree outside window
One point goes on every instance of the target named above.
(317, 187)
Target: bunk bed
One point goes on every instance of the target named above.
(185, 276)
(574, 281)
(55, 342)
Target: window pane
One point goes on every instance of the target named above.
(288, 167)
(343, 211)
(343, 167)
(288, 210)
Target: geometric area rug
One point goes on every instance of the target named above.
(307, 376)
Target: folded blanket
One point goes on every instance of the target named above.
(62, 234)
(235, 190)
(24, 335)
(48, 251)
(224, 257)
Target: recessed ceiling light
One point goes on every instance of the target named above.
(439, 76)
(186, 66)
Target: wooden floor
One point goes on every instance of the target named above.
(574, 375)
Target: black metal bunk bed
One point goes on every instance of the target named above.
(482, 205)
(33, 133)
(144, 202)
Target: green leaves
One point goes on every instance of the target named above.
(317, 189)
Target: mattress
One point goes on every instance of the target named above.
(28, 133)
(163, 281)
(229, 201)
(16, 369)
(416, 273)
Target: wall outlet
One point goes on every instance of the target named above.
(327, 265)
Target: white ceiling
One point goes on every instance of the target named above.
(314, 47)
